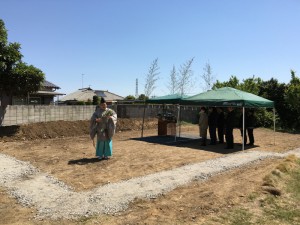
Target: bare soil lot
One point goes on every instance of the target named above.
(64, 150)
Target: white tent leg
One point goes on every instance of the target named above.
(243, 148)
(142, 134)
(178, 122)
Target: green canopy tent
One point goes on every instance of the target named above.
(225, 97)
(229, 97)
(173, 99)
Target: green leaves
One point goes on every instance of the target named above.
(16, 77)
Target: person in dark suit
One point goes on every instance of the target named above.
(220, 125)
(229, 128)
(250, 118)
(212, 125)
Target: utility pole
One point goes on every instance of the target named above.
(136, 88)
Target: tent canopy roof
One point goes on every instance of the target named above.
(167, 99)
(225, 97)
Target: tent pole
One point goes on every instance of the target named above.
(178, 123)
(179, 116)
(143, 120)
(274, 121)
(243, 148)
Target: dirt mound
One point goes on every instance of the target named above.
(56, 129)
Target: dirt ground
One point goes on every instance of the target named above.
(64, 150)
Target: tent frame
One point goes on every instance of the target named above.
(236, 99)
(178, 124)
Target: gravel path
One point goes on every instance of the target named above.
(53, 199)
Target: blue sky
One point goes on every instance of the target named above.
(113, 42)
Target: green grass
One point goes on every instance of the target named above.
(239, 216)
(265, 208)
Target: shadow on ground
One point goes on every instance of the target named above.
(84, 161)
(9, 131)
(191, 142)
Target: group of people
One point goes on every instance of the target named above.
(219, 125)
(103, 124)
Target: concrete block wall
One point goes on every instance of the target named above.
(24, 114)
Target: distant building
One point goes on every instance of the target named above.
(87, 94)
(45, 96)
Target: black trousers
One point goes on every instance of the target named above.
(245, 135)
(250, 135)
(213, 134)
(221, 134)
(229, 137)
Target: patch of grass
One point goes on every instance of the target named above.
(253, 196)
(293, 185)
(266, 208)
(284, 213)
(236, 216)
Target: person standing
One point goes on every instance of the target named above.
(250, 126)
(229, 128)
(203, 125)
(212, 125)
(103, 123)
(220, 125)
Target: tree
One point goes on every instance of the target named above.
(151, 78)
(292, 93)
(16, 77)
(96, 100)
(233, 82)
(208, 77)
(27, 79)
(143, 97)
(251, 85)
(292, 98)
(185, 81)
(173, 83)
(129, 97)
(274, 91)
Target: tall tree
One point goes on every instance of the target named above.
(16, 77)
(152, 77)
(207, 77)
(251, 85)
(27, 79)
(292, 99)
(185, 81)
(274, 91)
(293, 91)
(173, 84)
(233, 82)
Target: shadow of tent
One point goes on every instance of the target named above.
(191, 143)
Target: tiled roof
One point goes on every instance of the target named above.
(49, 84)
(87, 93)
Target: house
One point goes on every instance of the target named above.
(87, 94)
(45, 96)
